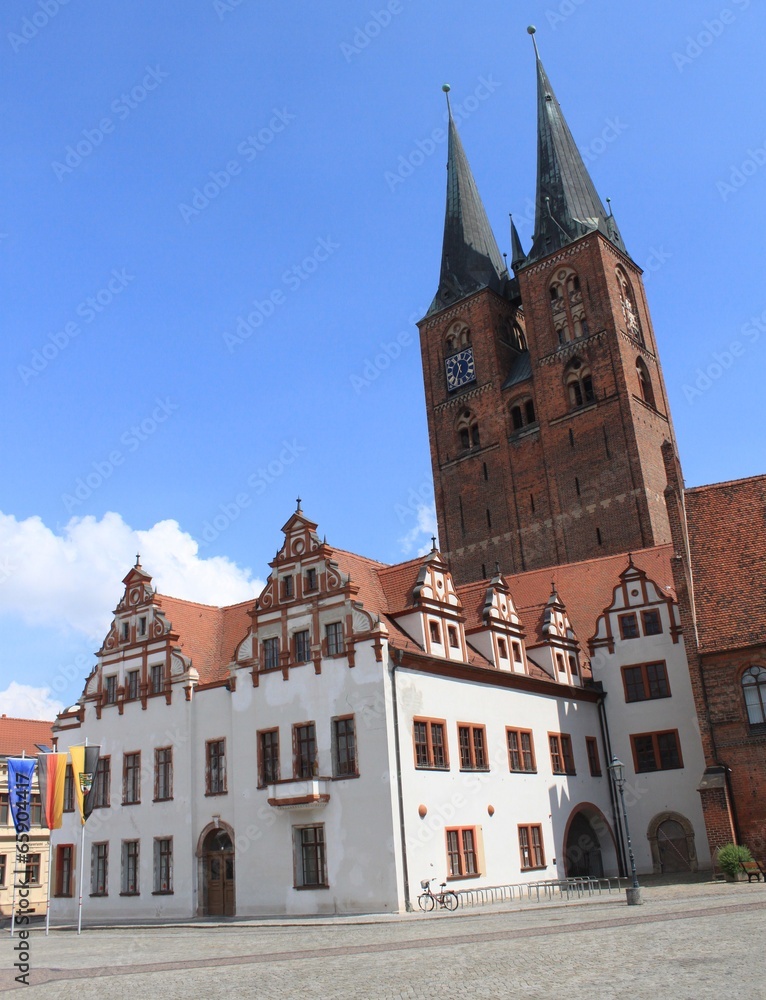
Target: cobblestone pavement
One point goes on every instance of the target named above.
(686, 942)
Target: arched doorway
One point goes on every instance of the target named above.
(217, 858)
(589, 848)
(671, 838)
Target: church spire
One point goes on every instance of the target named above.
(567, 203)
(518, 257)
(471, 258)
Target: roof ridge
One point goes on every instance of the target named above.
(407, 562)
(17, 718)
(724, 482)
(356, 555)
(197, 604)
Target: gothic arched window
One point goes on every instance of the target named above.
(522, 413)
(644, 382)
(567, 306)
(628, 303)
(579, 384)
(458, 337)
(754, 690)
(467, 427)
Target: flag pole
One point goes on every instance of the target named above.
(82, 864)
(50, 869)
(82, 874)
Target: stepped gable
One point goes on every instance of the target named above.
(727, 539)
(19, 736)
(207, 635)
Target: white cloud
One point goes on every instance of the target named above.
(71, 580)
(420, 536)
(20, 701)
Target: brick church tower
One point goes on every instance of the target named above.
(546, 404)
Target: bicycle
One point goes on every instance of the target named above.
(427, 900)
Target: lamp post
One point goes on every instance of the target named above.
(617, 771)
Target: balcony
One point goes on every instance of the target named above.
(300, 793)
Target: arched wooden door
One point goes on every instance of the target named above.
(583, 849)
(218, 866)
(673, 846)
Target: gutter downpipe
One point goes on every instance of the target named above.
(396, 661)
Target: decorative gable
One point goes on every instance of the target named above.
(639, 608)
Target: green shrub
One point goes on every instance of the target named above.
(729, 857)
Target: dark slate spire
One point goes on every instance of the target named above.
(518, 257)
(470, 256)
(567, 204)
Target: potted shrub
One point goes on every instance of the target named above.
(728, 859)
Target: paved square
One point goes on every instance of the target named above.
(686, 942)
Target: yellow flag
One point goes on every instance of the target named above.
(84, 764)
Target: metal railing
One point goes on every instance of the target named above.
(545, 890)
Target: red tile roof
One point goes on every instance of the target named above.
(207, 634)
(398, 582)
(17, 735)
(366, 574)
(727, 538)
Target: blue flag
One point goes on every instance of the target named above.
(20, 771)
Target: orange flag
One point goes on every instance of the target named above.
(51, 771)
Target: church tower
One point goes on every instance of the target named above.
(546, 404)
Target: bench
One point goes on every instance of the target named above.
(753, 870)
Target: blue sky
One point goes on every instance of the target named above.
(221, 220)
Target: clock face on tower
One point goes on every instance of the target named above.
(460, 369)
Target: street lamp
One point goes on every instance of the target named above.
(617, 771)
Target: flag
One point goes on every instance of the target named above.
(20, 771)
(51, 772)
(84, 764)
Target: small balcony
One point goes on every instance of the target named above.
(300, 793)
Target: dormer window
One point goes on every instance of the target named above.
(125, 631)
(560, 663)
(435, 632)
(573, 665)
(517, 657)
(502, 649)
(287, 588)
(311, 579)
(142, 625)
(453, 637)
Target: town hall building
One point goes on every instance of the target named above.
(361, 727)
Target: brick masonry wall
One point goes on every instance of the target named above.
(582, 483)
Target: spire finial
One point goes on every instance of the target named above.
(497, 568)
(298, 509)
(532, 30)
(446, 88)
(609, 206)
(138, 560)
(433, 543)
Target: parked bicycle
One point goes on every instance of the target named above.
(446, 899)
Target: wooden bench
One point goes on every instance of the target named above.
(753, 870)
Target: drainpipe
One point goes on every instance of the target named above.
(616, 819)
(396, 661)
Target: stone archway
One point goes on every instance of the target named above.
(215, 858)
(671, 839)
(589, 845)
